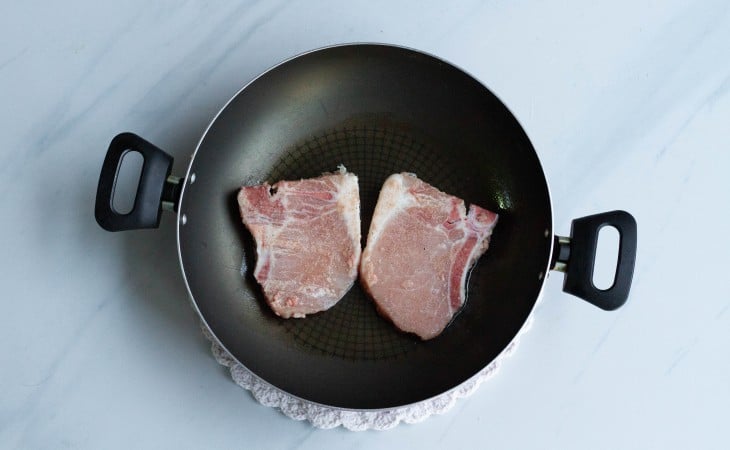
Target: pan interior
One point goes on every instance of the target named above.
(378, 110)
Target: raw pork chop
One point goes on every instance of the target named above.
(307, 236)
(420, 248)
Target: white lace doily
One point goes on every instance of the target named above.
(326, 417)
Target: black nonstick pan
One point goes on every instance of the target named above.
(378, 110)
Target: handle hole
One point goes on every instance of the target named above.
(127, 182)
(604, 268)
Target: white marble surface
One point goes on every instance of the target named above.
(627, 104)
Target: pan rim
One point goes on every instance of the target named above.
(181, 222)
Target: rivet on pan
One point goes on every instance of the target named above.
(183, 219)
(192, 178)
(546, 234)
(540, 275)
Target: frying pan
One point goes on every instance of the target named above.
(378, 110)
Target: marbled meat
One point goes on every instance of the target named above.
(420, 247)
(307, 235)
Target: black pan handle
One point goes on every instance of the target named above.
(576, 257)
(156, 187)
